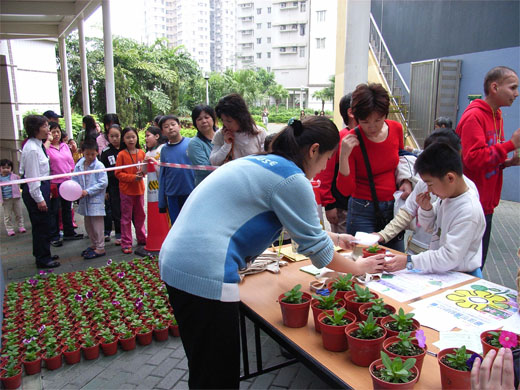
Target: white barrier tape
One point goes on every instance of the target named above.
(187, 166)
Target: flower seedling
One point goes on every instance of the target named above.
(378, 308)
(373, 248)
(402, 321)
(405, 347)
(368, 329)
(326, 302)
(504, 339)
(88, 341)
(11, 369)
(294, 295)
(71, 345)
(459, 359)
(363, 294)
(337, 318)
(107, 335)
(32, 350)
(343, 283)
(395, 370)
(158, 324)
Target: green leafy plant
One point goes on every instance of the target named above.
(405, 346)
(88, 341)
(337, 318)
(369, 329)
(363, 294)
(402, 321)
(378, 308)
(343, 283)
(11, 368)
(373, 248)
(458, 360)
(326, 302)
(107, 335)
(32, 350)
(144, 329)
(124, 332)
(51, 351)
(503, 338)
(395, 370)
(294, 295)
(71, 344)
(159, 324)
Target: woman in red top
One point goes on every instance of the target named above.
(383, 139)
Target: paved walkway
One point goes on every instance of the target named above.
(163, 365)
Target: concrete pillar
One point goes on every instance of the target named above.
(109, 59)
(83, 67)
(65, 86)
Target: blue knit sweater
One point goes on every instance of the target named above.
(175, 181)
(232, 217)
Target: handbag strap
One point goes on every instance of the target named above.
(369, 172)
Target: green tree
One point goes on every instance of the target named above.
(278, 93)
(326, 94)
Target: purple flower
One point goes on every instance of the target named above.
(508, 339)
(32, 282)
(139, 304)
(28, 341)
(121, 275)
(471, 360)
(145, 294)
(116, 303)
(78, 297)
(89, 294)
(421, 338)
(109, 261)
(323, 291)
(42, 272)
(42, 328)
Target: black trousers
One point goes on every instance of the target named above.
(485, 238)
(210, 335)
(113, 211)
(66, 217)
(40, 223)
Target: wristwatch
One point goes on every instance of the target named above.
(409, 263)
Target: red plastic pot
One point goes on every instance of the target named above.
(144, 338)
(72, 357)
(127, 344)
(363, 308)
(32, 367)
(109, 349)
(487, 347)
(12, 382)
(339, 294)
(362, 351)
(317, 311)
(53, 363)
(91, 353)
(451, 378)
(366, 253)
(380, 384)
(174, 330)
(160, 334)
(353, 306)
(295, 315)
(334, 338)
(419, 358)
(389, 332)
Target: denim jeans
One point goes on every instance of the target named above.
(361, 217)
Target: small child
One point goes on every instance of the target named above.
(175, 185)
(10, 198)
(131, 189)
(456, 219)
(92, 201)
(76, 153)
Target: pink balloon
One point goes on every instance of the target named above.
(70, 190)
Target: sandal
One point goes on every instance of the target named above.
(117, 242)
(93, 255)
(87, 251)
(126, 251)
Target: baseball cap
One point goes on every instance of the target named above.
(51, 114)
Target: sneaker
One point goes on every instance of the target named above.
(75, 236)
(107, 238)
(140, 251)
(57, 243)
(126, 251)
(10, 232)
(22, 230)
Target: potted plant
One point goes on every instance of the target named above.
(11, 375)
(400, 322)
(373, 250)
(126, 338)
(325, 301)
(52, 357)
(343, 284)
(295, 307)
(144, 335)
(108, 342)
(455, 366)
(358, 297)
(333, 329)
(72, 351)
(160, 330)
(377, 307)
(365, 340)
(90, 348)
(389, 373)
(32, 361)
(495, 339)
(405, 346)
(174, 328)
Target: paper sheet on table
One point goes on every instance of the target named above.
(406, 285)
(438, 321)
(474, 306)
(456, 339)
(366, 238)
(288, 252)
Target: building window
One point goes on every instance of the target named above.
(268, 10)
(259, 55)
(302, 6)
(258, 26)
(320, 16)
(268, 68)
(268, 54)
(302, 29)
(268, 39)
(282, 50)
(268, 24)
(302, 52)
(259, 11)
(258, 40)
(320, 43)
(283, 5)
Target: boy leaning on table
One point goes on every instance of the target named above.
(456, 219)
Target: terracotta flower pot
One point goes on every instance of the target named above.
(144, 338)
(334, 337)
(353, 306)
(109, 349)
(381, 384)
(127, 344)
(451, 378)
(12, 382)
(32, 367)
(485, 345)
(72, 357)
(366, 253)
(363, 351)
(174, 330)
(317, 311)
(419, 358)
(53, 363)
(295, 315)
(363, 308)
(340, 293)
(389, 332)
(160, 334)
(91, 353)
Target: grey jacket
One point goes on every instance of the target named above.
(95, 184)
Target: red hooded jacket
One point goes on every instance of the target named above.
(484, 151)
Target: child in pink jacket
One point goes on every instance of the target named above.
(10, 198)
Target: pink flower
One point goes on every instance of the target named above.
(109, 261)
(42, 272)
(508, 339)
(121, 275)
(116, 303)
(32, 282)
(78, 297)
(421, 338)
